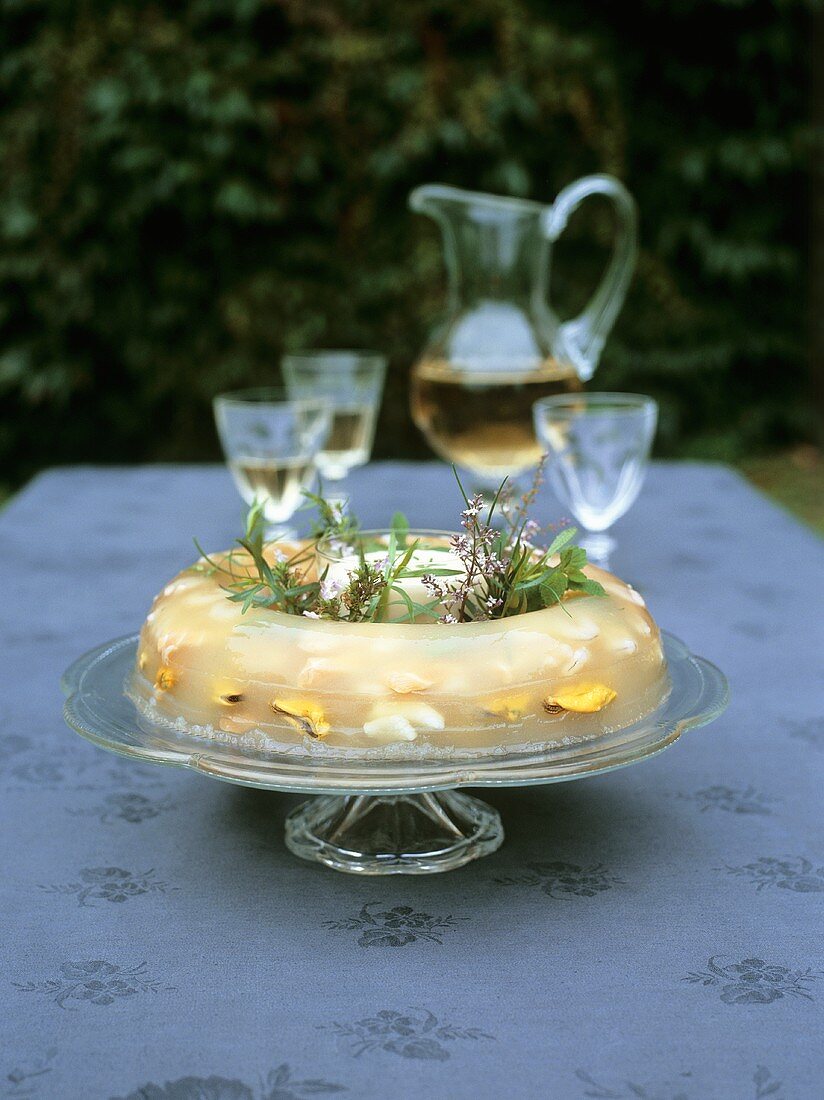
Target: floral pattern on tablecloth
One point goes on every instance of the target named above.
(413, 1033)
(279, 1084)
(793, 873)
(558, 879)
(395, 927)
(112, 884)
(754, 981)
(96, 982)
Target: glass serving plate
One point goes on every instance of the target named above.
(383, 816)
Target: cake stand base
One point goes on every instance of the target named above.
(408, 834)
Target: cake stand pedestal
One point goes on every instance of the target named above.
(410, 834)
(378, 815)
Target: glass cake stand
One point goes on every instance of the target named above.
(383, 815)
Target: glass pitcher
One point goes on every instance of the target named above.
(500, 347)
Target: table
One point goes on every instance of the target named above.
(655, 932)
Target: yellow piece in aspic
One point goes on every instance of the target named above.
(165, 679)
(511, 708)
(303, 714)
(582, 699)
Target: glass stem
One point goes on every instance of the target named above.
(599, 546)
(279, 532)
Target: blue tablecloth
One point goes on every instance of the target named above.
(653, 933)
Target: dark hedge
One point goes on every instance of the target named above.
(188, 189)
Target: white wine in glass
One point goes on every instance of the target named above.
(350, 438)
(271, 445)
(351, 382)
(279, 482)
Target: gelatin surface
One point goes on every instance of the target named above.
(580, 669)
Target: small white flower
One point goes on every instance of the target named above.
(448, 619)
(329, 589)
(432, 586)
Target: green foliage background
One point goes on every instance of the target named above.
(188, 189)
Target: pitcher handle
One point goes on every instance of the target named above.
(581, 340)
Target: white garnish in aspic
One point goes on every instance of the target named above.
(583, 629)
(315, 667)
(420, 715)
(405, 682)
(579, 657)
(555, 653)
(167, 644)
(390, 728)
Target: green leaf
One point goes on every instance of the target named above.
(532, 582)
(588, 585)
(495, 500)
(433, 571)
(561, 540)
(410, 610)
(553, 588)
(400, 527)
(575, 576)
(460, 484)
(254, 520)
(574, 557)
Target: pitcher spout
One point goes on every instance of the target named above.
(430, 198)
(440, 199)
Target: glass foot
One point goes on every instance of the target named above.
(416, 834)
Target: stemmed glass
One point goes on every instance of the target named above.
(352, 383)
(599, 445)
(271, 443)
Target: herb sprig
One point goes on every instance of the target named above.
(255, 579)
(502, 571)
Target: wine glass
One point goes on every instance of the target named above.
(352, 383)
(271, 443)
(598, 445)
